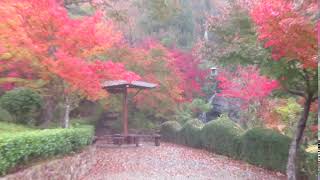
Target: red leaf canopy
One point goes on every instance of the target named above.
(245, 83)
(40, 34)
(290, 33)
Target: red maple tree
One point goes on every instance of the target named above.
(58, 49)
(290, 30)
(42, 35)
(287, 31)
(245, 83)
(192, 76)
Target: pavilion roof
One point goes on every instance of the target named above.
(118, 85)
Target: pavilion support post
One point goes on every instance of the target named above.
(125, 111)
(122, 86)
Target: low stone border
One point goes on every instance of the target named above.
(67, 168)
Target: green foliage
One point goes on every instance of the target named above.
(116, 126)
(169, 130)
(182, 115)
(141, 120)
(191, 110)
(250, 117)
(161, 10)
(169, 22)
(80, 10)
(6, 127)
(167, 41)
(87, 113)
(309, 165)
(5, 115)
(266, 148)
(200, 105)
(190, 133)
(318, 78)
(289, 115)
(290, 75)
(18, 148)
(290, 111)
(263, 147)
(82, 121)
(235, 42)
(221, 136)
(23, 104)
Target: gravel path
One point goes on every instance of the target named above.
(170, 161)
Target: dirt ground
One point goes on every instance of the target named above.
(171, 161)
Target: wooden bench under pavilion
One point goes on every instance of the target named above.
(122, 86)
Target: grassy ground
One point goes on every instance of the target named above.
(6, 128)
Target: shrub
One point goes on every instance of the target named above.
(6, 127)
(266, 148)
(5, 115)
(20, 147)
(308, 164)
(88, 112)
(23, 104)
(182, 115)
(311, 165)
(141, 120)
(221, 136)
(189, 110)
(169, 130)
(116, 126)
(190, 133)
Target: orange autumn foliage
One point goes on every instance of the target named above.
(40, 33)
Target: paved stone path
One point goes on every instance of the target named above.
(170, 161)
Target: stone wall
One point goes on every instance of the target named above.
(67, 168)
(224, 105)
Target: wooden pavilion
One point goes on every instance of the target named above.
(122, 86)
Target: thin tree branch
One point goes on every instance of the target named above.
(68, 2)
(295, 92)
(307, 79)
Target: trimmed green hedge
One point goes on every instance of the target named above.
(19, 148)
(266, 148)
(221, 136)
(190, 133)
(169, 130)
(259, 146)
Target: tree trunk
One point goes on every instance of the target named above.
(47, 112)
(291, 165)
(67, 113)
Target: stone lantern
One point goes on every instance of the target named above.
(213, 71)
